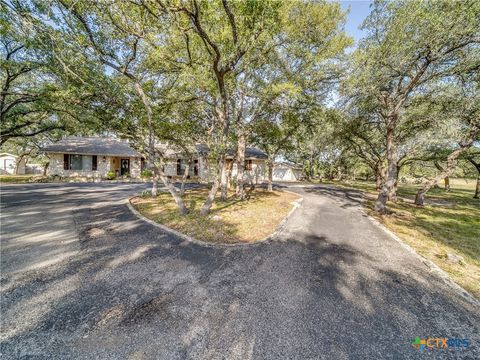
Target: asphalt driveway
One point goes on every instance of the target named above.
(82, 277)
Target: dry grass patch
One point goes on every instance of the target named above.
(231, 221)
(449, 223)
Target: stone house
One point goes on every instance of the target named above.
(176, 161)
(92, 157)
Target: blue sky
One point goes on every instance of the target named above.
(359, 10)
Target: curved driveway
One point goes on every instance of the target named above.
(82, 277)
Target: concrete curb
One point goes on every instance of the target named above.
(434, 268)
(296, 204)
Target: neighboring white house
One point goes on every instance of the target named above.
(92, 157)
(8, 164)
(284, 171)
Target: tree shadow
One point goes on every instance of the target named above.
(134, 290)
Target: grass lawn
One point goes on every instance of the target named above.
(448, 223)
(231, 221)
(15, 178)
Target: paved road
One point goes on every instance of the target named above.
(84, 278)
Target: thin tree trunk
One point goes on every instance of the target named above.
(224, 184)
(184, 179)
(151, 137)
(477, 189)
(446, 179)
(45, 168)
(241, 147)
(391, 176)
(213, 190)
(182, 209)
(270, 174)
(446, 182)
(154, 184)
(420, 197)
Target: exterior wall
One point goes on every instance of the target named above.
(257, 175)
(55, 167)
(135, 167)
(7, 164)
(286, 173)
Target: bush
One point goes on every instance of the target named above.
(147, 173)
(110, 175)
(145, 193)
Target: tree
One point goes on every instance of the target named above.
(408, 46)
(473, 157)
(463, 106)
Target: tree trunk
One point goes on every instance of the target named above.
(241, 146)
(270, 174)
(45, 168)
(391, 176)
(379, 175)
(224, 183)
(182, 209)
(154, 184)
(392, 195)
(184, 179)
(151, 137)
(477, 188)
(420, 197)
(213, 190)
(446, 181)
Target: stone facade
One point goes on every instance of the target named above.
(104, 165)
(257, 174)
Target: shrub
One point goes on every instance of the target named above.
(147, 173)
(110, 175)
(145, 193)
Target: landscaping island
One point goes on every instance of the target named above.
(231, 221)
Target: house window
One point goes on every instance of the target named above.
(248, 165)
(195, 168)
(80, 162)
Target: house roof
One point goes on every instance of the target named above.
(286, 164)
(250, 152)
(92, 146)
(8, 154)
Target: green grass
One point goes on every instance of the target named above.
(448, 223)
(231, 221)
(15, 178)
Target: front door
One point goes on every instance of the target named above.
(124, 166)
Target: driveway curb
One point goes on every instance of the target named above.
(280, 227)
(430, 264)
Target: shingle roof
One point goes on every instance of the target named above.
(250, 152)
(92, 146)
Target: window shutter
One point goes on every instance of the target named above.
(179, 166)
(94, 162)
(66, 162)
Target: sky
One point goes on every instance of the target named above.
(359, 10)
